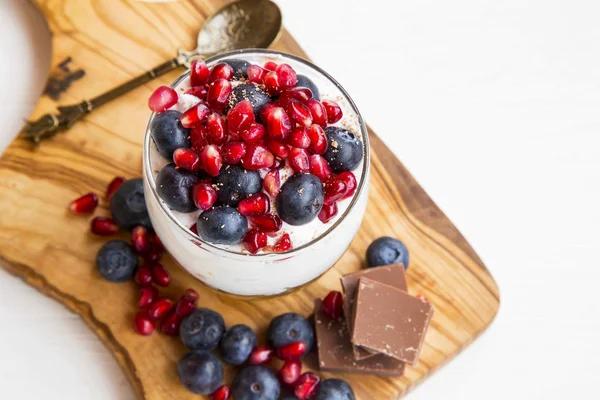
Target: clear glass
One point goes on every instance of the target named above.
(265, 273)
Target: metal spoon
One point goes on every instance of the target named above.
(238, 25)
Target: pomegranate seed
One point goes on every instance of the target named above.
(160, 276)
(292, 351)
(190, 295)
(334, 190)
(113, 186)
(261, 355)
(277, 148)
(290, 372)
(103, 226)
(194, 116)
(170, 324)
(143, 324)
(254, 240)
(233, 152)
(328, 212)
(287, 76)
(84, 204)
(284, 243)
(194, 229)
(148, 295)
(240, 117)
(140, 240)
(272, 182)
(160, 308)
(254, 134)
(216, 129)
(162, 99)
(143, 276)
(271, 65)
(204, 195)
(184, 307)
(257, 157)
(257, 204)
(198, 137)
(333, 304)
(199, 73)
(299, 138)
(306, 386)
(256, 74)
(186, 159)
(350, 181)
(299, 93)
(222, 393)
(272, 84)
(156, 242)
(266, 223)
(299, 113)
(218, 94)
(266, 110)
(220, 71)
(198, 91)
(298, 160)
(319, 167)
(318, 139)
(154, 255)
(211, 160)
(318, 112)
(278, 163)
(334, 111)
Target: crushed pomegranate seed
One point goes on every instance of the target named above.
(328, 212)
(267, 223)
(299, 113)
(84, 204)
(299, 93)
(290, 372)
(143, 324)
(257, 204)
(170, 324)
(272, 182)
(287, 76)
(143, 276)
(318, 112)
(195, 115)
(162, 99)
(254, 240)
(211, 160)
(160, 308)
(148, 295)
(306, 386)
(257, 157)
(299, 138)
(160, 276)
(218, 94)
(140, 240)
(198, 91)
(198, 137)
(240, 117)
(277, 148)
(271, 65)
(186, 159)
(233, 151)
(333, 304)
(350, 181)
(220, 71)
(334, 189)
(216, 129)
(298, 160)
(272, 84)
(334, 111)
(199, 73)
(103, 226)
(284, 244)
(113, 186)
(222, 393)
(318, 139)
(254, 134)
(319, 167)
(256, 74)
(204, 195)
(261, 355)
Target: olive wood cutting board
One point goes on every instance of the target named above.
(52, 250)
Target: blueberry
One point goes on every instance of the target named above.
(116, 261)
(237, 344)
(334, 389)
(222, 225)
(168, 133)
(128, 206)
(255, 382)
(240, 67)
(250, 91)
(345, 150)
(235, 183)
(304, 81)
(386, 251)
(289, 328)
(200, 372)
(174, 185)
(202, 330)
(300, 199)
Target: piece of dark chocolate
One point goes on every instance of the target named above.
(393, 275)
(336, 353)
(390, 321)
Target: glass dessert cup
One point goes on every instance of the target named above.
(262, 274)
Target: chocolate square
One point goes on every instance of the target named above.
(390, 321)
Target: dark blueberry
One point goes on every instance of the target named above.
(289, 328)
(300, 199)
(116, 261)
(222, 225)
(334, 389)
(235, 183)
(250, 91)
(168, 133)
(174, 185)
(240, 67)
(345, 150)
(304, 81)
(200, 372)
(202, 330)
(237, 344)
(255, 382)
(386, 251)
(128, 207)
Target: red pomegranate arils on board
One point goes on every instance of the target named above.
(306, 386)
(171, 323)
(84, 205)
(113, 186)
(103, 226)
(148, 295)
(261, 355)
(292, 351)
(160, 276)
(333, 305)
(160, 308)
(143, 324)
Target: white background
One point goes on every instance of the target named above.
(494, 106)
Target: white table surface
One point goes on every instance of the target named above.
(494, 106)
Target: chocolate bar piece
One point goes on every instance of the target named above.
(335, 350)
(390, 321)
(392, 275)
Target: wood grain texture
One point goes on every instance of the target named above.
(114, 40)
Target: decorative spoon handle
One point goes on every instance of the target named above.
(49, 125)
